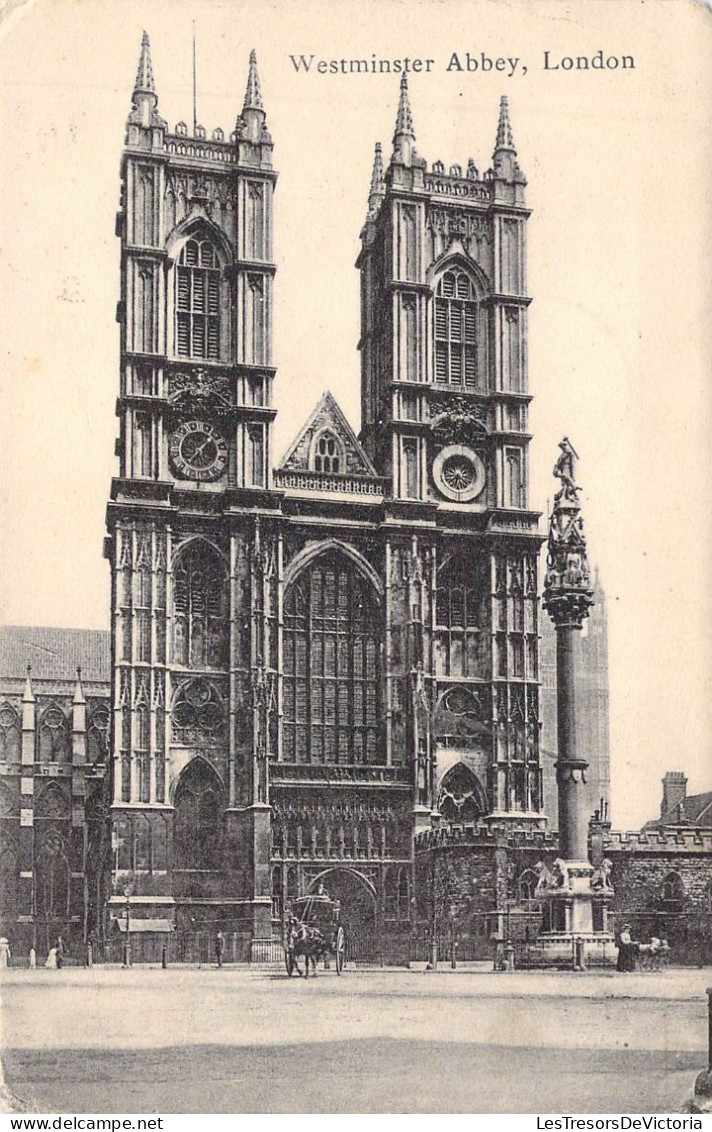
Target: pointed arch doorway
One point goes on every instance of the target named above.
(359, 910)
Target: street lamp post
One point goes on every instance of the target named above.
(127, 950)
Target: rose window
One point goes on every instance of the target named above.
(458, 473)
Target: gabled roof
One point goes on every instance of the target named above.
(695, 810)
(328, 415)
(54, 654)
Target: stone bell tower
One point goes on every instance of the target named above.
(192, 567)
(445, 406)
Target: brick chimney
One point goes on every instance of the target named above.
(674, 791)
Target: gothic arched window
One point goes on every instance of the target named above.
(462, 620)
(199, 608)
(331, 666)
(53, 736)
(52, 876)
(460, 795)
(327, 453)
(198, 818)
(455, 326)
(526, 887)
(98, 735)
(673, 889)
(198, 301)
(9, 734)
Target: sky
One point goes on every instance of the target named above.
(618, 165)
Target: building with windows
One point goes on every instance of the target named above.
(323, 671)
(54, 742)
(308, 658)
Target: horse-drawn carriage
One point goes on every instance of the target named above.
(313, 931)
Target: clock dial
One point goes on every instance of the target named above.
(198, 451)
(459, 473)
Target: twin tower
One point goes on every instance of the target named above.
(314, 661)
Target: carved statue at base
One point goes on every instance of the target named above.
(561, 873)
(547, 881)
(601, 879)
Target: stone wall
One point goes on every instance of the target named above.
(472, 883)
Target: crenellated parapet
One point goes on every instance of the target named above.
(660, 841)
(483, 835)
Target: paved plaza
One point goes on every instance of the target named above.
(203, 1040)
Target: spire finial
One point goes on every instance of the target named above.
(28, 696)
(144, 100)
(377, 189)
(505, 139)
(144, 76)
(78, 690)
(404, 117)
(253, 93)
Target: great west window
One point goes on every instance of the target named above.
(331, 666)
(198, 301)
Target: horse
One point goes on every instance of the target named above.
(303, 939)
(652, 956)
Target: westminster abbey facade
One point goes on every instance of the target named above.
(311, 660)
(312, 664)
(323, 672)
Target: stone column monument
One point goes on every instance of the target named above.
(568, 596)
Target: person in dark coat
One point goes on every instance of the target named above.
(627, 949)
(219, 948)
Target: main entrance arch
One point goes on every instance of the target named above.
(359, 915)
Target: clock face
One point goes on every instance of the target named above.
(459, 473)
(198, 451)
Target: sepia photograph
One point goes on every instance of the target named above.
(355, 545)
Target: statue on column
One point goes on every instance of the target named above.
(567, 583)
(564, 470)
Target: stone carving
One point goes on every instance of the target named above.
(601, 879)
(546, 881)
(198, 714)
(567, 585)
(457, 420)
(557, 880)
(564, 470)
(200, 394)
(561, 873)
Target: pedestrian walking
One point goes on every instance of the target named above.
(32, 961)
(51, 960)
(60, 951)
(219, 948)
(5, 955)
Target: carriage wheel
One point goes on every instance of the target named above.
(340, 951)
(290, 962)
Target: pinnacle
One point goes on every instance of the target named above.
(377, 174)
(144, 76)
(27, 693)
(253, 93)
(504, 128)
(78, 690)
(404, 118)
